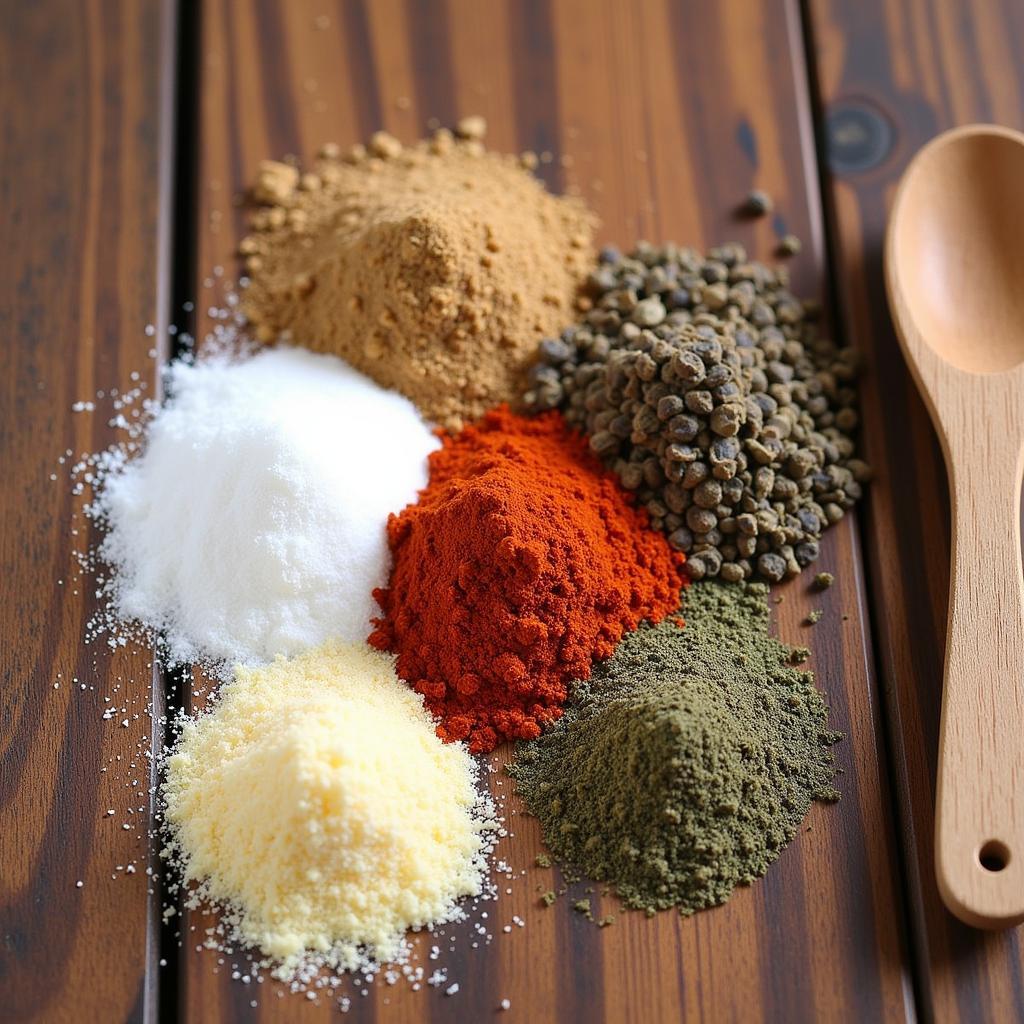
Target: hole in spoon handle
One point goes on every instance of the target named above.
(994, 856)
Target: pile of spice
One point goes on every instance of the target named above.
(688, 760)
(521, 563)
(253, 523)
(315, 805)
(435, 268)
(709, 390)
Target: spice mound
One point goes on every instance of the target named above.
(253, 523)
(687, 762)
(435, 269)
(709, 390)
(315, 804)
(520, 564)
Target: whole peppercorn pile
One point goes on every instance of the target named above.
(706, 386)
(522, 562)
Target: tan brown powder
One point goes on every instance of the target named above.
(435, 269)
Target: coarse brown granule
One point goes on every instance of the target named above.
(435, 268)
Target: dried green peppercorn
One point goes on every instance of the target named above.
(790, 245)
(757, 204)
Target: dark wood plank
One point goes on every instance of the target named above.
(892, 75)
(84, 133)
(663, 114)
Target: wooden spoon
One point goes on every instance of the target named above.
(954, 271)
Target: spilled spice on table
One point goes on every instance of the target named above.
(433, 268)
(314, 804)
(687, 762)
(714, 395)
(522, 562)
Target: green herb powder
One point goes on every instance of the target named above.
(687, 761)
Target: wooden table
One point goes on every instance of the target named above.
(129, 127)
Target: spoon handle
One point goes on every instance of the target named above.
(979, 826)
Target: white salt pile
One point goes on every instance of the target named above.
(253, 523)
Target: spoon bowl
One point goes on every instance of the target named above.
(954, 271)
(958, 247)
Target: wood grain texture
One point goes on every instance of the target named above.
(959, 316)
(663, 114)
(83, 117)
(904, 71)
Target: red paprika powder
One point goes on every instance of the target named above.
(521, 563)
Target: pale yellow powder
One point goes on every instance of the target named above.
(316, 804)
